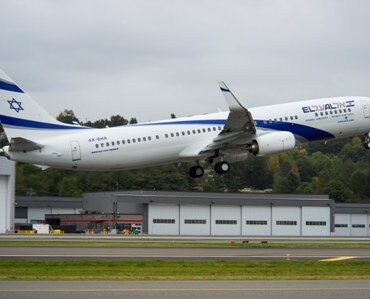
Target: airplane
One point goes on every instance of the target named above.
(217, 138)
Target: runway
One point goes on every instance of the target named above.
(125, 253)
(322, 289)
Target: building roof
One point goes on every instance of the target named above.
(49, 202)
(219, 198)
(353, 208)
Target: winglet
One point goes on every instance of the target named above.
(231, 100)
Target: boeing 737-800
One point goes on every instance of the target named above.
(217, 138)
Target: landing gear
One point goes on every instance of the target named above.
(222, 167)
(367, 141)
(196, 171)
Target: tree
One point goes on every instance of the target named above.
(68, 117)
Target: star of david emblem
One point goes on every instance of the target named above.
(15, 105)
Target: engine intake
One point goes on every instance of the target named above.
(272, 143)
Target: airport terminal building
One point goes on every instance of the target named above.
(201, 214)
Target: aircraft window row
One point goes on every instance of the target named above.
(331, 112)
(188, 132)
(320, 223)
(256, 222)
(286, 118)
(149, 138)
(226, 222)
(282, 222)
(195, 221)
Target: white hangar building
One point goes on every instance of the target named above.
(7, 190)
(222, 214)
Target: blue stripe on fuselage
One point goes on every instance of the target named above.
(307, 132)
(9, 86)
(19, 122)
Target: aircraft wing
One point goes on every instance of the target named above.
(238, 131)
(19, 144)
(240, 119)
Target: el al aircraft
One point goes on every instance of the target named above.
(217, 138)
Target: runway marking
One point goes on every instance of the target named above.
(189, 290)
(327, 257)
(339, 258)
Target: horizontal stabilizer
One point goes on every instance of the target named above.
(19, 144)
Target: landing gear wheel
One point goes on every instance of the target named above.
(222, 167)
(367, 141)
(196, 172)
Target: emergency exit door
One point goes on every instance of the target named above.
(76, 153)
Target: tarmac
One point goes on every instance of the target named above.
(318, 289)
(129, 253)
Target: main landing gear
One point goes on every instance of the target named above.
(222, 167)
(196, 172)
(367, 141)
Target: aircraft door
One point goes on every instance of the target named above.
(76, 152)
(366, 108)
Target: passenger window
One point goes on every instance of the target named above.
(219, 128)
(344, 110)
(157, 136)
(214, 128)
(149, 138)
(107, 143)
(118, 143)
(316, 114)
(199, 131)
(172, 135)
(183, 133)
(321, 113)
(209, 129)
(335, 112)
(291, 118)
(296, 117)
(112, 143)
(194, 132)
(281, 119)
(331, 112)
(144, 138)
(286, 118)
(97, 145)
(349, 109)
(177, 134)
(139, 140)
(340, 110)
(102, 144)
(166, 135)
(275, 120)
(133, 140)
(128, 140)
(123, 142)
(188, 132)
(204, 130)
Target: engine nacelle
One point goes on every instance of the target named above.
(272, 143)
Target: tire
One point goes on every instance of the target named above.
(196, 172)
(222, 167)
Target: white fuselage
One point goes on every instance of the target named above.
(161, 142)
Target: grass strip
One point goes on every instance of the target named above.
(181, 270)
(182, 244)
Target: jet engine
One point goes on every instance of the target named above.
(272, 143)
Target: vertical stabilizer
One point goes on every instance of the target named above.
(21, 116)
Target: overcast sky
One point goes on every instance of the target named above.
(152, 58)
